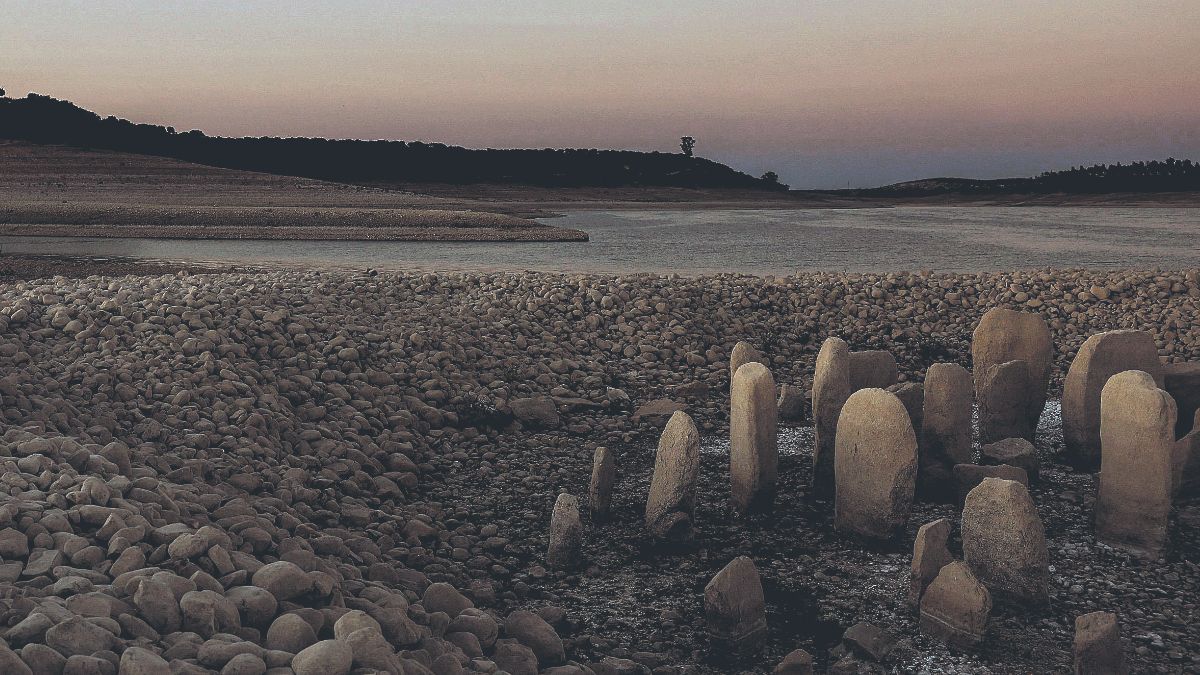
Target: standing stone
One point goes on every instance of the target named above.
(912, 395)
(1137, 464)
(604, 474)
(791, 403)
(743, 353)
(968, 476)
(875, 369)
(1182, 382)
(1187, 462)
(1100, 357)
(930, 555)
(955, 607)
(566, 533)
(831, 388)
(753, 455)
(1004, 542)
(1004, 403)
(1016, 452)
(735, 607)
(1005, 335)
(671, 504)
(945, 429)
(875, 465)
(1098, 649)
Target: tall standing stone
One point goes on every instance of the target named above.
(735, 607)
(831, 388)
(930, 555)
(743, 353)
(1137, 464)
(1101, 356)
(875, 465)
(1097, 648)
(1004, 403)
(1004, 542)
(945, 429)
(671, 504)
(1005, 335)
(753, 429)
(604, 474)
(956, 606)
(566, 533)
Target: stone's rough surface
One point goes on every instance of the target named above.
(968, 476)
(743, 353)
(1101, 356)
(1182, 382)
(735, 607)
(875, 369)
(658, 410)
(1187, 462)
(955, 607)
(327, 657)
(875, 465)
(566, 533)
(912, 395)
(282, 579)
(753, 429)
(536, 411)
(1005, 335)
(831, 387)
(532, 631)
(604, 475)
(930, 554)
(945, 431)
(1016, 452)
(791, 405)
(1137, 466)
(1004, 542)
(1004, 403)
(671, 504)
(1098, 649)
(798, 662)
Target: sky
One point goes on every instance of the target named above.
(827, 93)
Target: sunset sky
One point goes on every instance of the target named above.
(827, 93)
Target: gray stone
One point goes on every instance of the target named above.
(1097, 649)
(955, 607)
(532, 631)
(1182, 382)
(735, 608)
(282, 579)
(537, 411)
(327, 657)
(671, 504)
(139, 661)
(753, 430)
(790, 407)
(1004, 404)
(831, 387)
(290, 633)
(968, 476)
(1004, 542)
(566, 533)
(604, 475)
(743, 353)
(875, 465)
(1016, 452)
(930, 554)
(945, 438)
(79, 636)
(1005, 335)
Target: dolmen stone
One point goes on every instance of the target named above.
(912, 395)
(1182, 382)
(955, 607)
(735, 607)
(930, 554)
(873, 369)
(875, 465)
(1187, 462)
(743, 353)
(1004, 335)
(791, 403)
(1004, 542)
(1004, 403)
(968, 476)
(1097, 649)
(1137, 463)
(1016, 452)
(1101, 356)
(671, 504)
(753, 430)
(604, 475)
(945, 437)
(566, 533)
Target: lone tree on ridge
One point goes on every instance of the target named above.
(687, 144)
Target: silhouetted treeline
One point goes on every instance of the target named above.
(42, 119)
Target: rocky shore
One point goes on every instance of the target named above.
(312, 472)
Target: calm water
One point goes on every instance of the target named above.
(752, 241)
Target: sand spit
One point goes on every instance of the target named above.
(320, 471)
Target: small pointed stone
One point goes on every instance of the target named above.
(735, 607)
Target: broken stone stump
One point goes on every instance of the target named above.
(945, 431)
(968, 476)
(1005, 335)
(798, 662)
(1098, 649)
(1101, 356)
(868, 641)
(875, 465)
(753, 430)
(1016, 452)
(1004, 403)
(671, 504)
(791, 403)
(743, 353)
(955, 607)
(1004, 542)
(735, 607)
(1137, 463)
(604, 474)
(831, 388)
(566, 533)
(930, 555)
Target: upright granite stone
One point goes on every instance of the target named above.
(831, 388)
(875, 369)
(875, 465)
(1187, 462)
(1005, 335)
(735, 607)
(955, 607)
(912, 395)
(743, 353)
(791, 403)
(930, 555)
(1097, 648)
(1101, 356)
(945, 438)
(566, 533)
(1182, 382)
(1004, 403)
(671, 503)
(604, 474)
(1137, 464)
(753, 429)
(1004, 542)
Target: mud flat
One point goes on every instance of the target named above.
(242, 471)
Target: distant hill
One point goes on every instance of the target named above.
(42, 119)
